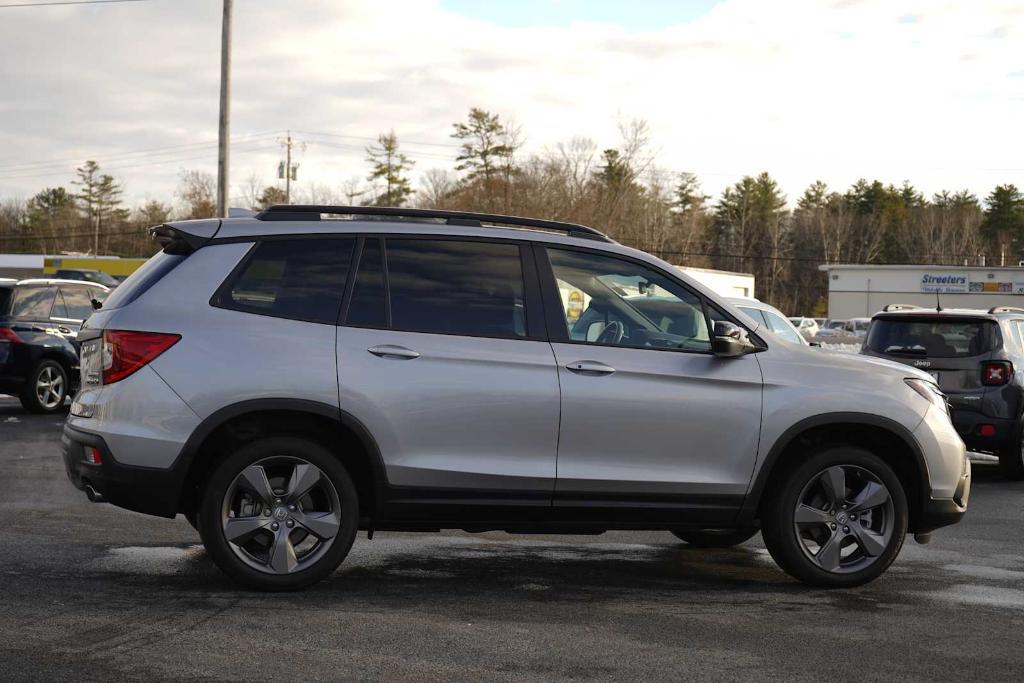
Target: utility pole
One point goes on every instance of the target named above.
(287, 170)
(224, 131)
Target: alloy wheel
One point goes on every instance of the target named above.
(844, 519)
(50, 387)
(281, 514)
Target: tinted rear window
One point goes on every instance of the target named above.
(452, 287)
(933, 338)
(142, 279)
(302, 279)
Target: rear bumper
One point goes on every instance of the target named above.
(142, 489)
(969, 423)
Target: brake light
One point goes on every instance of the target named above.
(125, 351)
(996, 373)
(9, 335)
(93, 455)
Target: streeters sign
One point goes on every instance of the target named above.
(944, 282)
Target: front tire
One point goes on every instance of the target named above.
(46, 388)
(837, 520)
(279, 513)
(715, 538)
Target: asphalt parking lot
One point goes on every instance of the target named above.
(93, 592)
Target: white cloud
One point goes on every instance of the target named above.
(922, 91)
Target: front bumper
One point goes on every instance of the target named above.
(142, 489)
(939, 512)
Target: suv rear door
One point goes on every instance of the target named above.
(650, 418)
(442, 356)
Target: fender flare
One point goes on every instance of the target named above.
(748, 512)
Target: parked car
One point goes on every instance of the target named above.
(97, 276)
(39, 320)
(806, 326)
(977, 359)
(764, 314)
(858, 327)
(820, 322)
(832, 328)
(415, 370)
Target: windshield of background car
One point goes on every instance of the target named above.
(101, 278)
(934, 338)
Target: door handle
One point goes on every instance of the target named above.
(392, 351)
(590, 367)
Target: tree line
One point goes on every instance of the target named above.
(620, 190)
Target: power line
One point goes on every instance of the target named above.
(360, 137)
(67, 2)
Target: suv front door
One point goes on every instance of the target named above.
(650, 418)
(442, 357)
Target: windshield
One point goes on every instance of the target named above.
(933, 338)
(101, 278)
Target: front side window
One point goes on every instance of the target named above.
(610, 301)
(300, 279)
(33, 303)
(453, 287)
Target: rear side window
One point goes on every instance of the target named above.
(301, 279)
(33, 302)
(77, 301)
(368, 307)
(142, 279)
(934, 338)
(452, 287)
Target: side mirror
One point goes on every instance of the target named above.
(731, 340)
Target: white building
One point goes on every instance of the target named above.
(861, 290)
(723, 282)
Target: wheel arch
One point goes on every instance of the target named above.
(245, 421)
(885, 437)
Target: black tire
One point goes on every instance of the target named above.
(778, 524)
(715, 538)
(210, 520)
(29, 397)
(1011, 458)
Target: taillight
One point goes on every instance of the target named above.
(9, 335)
(996, 373)
(125, 351)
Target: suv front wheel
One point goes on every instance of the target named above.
(838, 519)
(279, 513)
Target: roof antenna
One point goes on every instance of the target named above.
(938, 303)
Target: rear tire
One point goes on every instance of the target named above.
(715, 538)
(1011, 459)
(46, 388)
(290, 507)
(836, 540)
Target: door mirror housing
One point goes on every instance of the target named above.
(731, 340)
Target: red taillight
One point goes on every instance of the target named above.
(996, 373)
(987, 430)
(124, 351)
(7, 334)
(93, 455)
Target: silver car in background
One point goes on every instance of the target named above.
(288, 379)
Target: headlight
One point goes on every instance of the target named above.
(930, 392)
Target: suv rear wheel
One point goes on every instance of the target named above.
(838, 520)
(279, 513)
(715, 538)
(1011, 458)
(46, 389)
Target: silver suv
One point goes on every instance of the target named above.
(288, 379)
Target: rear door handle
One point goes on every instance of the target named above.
(392, 351)
(590, 367)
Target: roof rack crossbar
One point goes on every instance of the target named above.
(309, 212)
(1005, 309)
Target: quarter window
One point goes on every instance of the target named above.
(77, 301)
(454, 287)
(609, 301)
(301, 279)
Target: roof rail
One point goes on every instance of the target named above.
(898, 307)
(306, 212)
(1005, 309)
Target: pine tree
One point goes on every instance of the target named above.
(1004, 219)
(389, 166)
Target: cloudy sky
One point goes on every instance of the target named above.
(926, 91)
